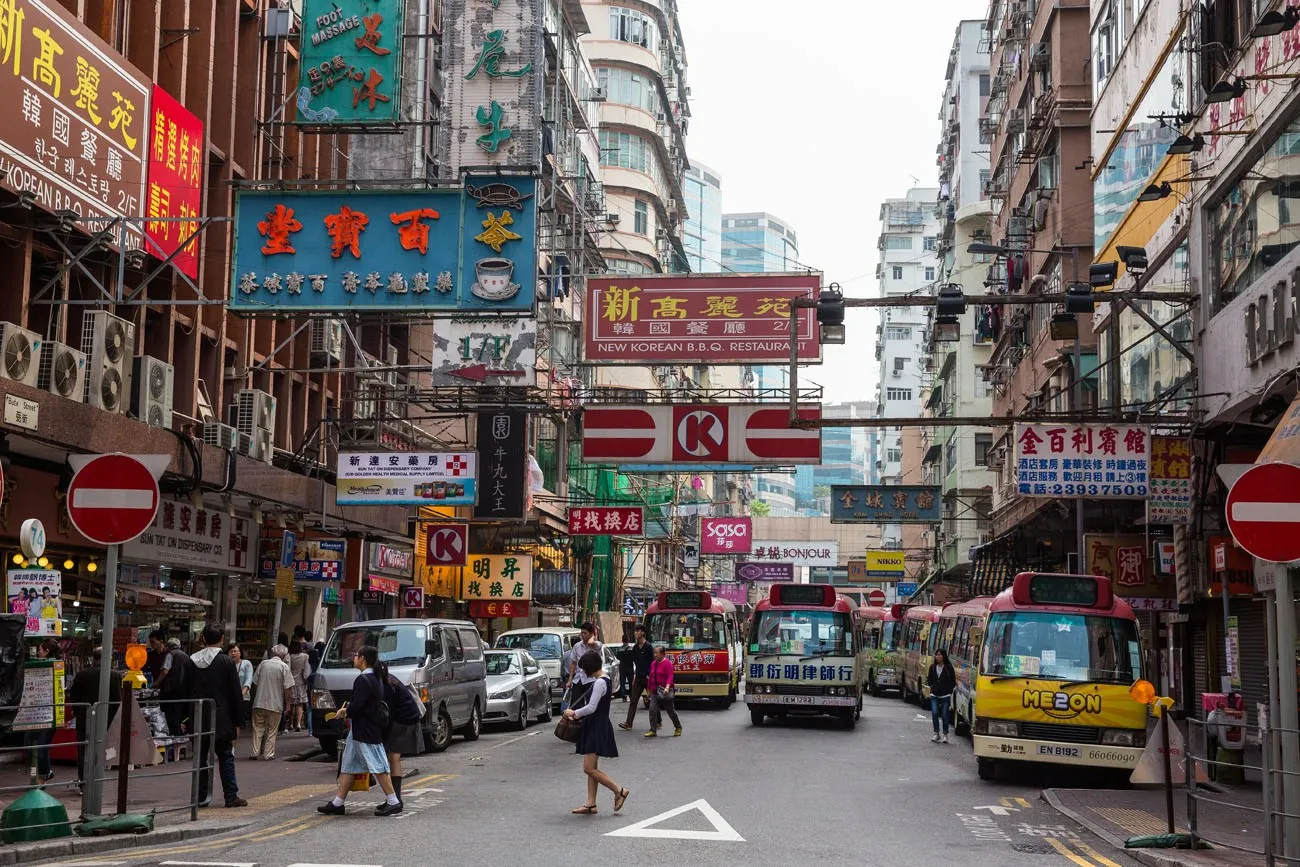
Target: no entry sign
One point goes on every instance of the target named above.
(876, 598)
(112, 499)
(1263, 512)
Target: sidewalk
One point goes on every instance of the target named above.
(1117, 814)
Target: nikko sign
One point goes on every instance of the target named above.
(351, 65)
(699, 433)
(726, 535)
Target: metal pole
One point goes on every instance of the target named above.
(124, 747)
(1229, 664)
(1078, 405)
(94, 798)
(1169, 773)
(1289, 719)
(1266, 771)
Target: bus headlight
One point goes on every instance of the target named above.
(1123, 738)
(1003, 728)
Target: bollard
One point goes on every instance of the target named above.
(1169, 775)
(124, 747)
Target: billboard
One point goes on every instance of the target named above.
(470, 251)
(1101, 461)
(817, 553)
(885, 504)
(37, 594)
(498, 578)
(312, 559)
(699, 433)
(878, 566)
(503, 451)
(699, 319)
(76, 133)
(607, 521)
(485, 351)
(351, 62)
(1171, 481)
(726, 535)
(177, 154)
(406, 479)
(765, 571)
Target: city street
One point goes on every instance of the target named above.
(793, 793)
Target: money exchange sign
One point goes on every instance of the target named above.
(1092, 460)
(351, 62)
(498, 577)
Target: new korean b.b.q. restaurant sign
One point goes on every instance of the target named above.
(444, 250)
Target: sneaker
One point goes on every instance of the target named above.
(236, 802)
(651, 734)
(254, 757)
(945, 739)
(45, 778)
(627, 727)
(677, 732)
(329, 809)
(387, 809)
(935, 739)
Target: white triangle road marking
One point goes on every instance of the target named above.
(722, 831)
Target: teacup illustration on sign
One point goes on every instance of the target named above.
(493, 282)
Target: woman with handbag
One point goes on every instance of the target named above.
(596, 736)
(662, 694)
(363, 752)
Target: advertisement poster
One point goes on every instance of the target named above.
(42, 702)
(732, 591)
(313, 559)
(407, 479)
(726, 535)
(1099, 461)
(36, 594)
(1171, 481)
(765, 571)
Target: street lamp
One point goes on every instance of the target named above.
(830, 315)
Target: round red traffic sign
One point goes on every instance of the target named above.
(1263, 512)
(112, 499)
(876, 598)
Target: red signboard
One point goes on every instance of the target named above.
(488, 610)
(384, 585)
(726, 535)
(699, 660)
(413, 597)
(607, 521)
(1263, 511)
(176, 158)
(112, 499)
(692, 433)
(699, 319)
(448, 544)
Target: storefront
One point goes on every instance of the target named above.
(389, 569)
(308, 597)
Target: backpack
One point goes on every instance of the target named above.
(406, 709)
(381, 715)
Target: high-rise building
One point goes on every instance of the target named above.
(703, 230)
(848, 458)
(758, 243)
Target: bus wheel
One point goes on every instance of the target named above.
(731, 696)
(872, 688)
(962, 725)
(755, 716)
(986, 768)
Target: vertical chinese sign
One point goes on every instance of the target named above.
(175, 187)
(75, 114)
(503, 472)
(1095, 460)
(1126, 561)
(351, 62)
(500, 577)
(1171, 481)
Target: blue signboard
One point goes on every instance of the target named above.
(423, 251)
(905, 589)
(885, 504)
(313, 559)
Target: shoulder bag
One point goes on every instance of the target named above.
(381, 714)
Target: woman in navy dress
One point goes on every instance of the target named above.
(596, 737)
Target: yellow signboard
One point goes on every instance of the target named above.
(283, 583)
(498, 577)
(878, 566)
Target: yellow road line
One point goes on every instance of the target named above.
(208, 843)
(1024, 803)
(1094, 855)
(1065, 850)
(297, 829)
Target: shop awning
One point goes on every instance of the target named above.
(168, 598)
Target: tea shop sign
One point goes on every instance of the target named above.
(1271, 319)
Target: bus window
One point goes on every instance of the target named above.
(891, 635)
(1070, 647)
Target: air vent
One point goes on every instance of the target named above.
(20, 354)
(63, 371)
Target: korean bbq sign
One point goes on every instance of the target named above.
(351, 62)
(726, 535)
(174, 198)
(711, 319)
(607, 521)
(1102, 461)
(493, 577)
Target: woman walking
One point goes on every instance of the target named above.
(596, 737)
(942, 680)
(245, 669)
(660, 687)
(299, 667)
(363, 751)
(41, 738)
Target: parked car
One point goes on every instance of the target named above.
(442, 659)
(546, 644)
(517, 688)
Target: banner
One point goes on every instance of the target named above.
(819, 553)
(1098, 461)
(1171, 481)
(503, 452)
(406, 479)
(36, 594)
(203, 539)
(498, 577)
(765, 571)
(607, 521)
(351, 63)
(886, 504)
(726, 535)
(177, 156)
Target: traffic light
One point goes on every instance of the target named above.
(1079, 298)
(830, 315)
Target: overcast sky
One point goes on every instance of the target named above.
(816, 112)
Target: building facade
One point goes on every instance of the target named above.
(758, 243)
(702, 235)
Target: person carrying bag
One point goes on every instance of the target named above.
(568, 729)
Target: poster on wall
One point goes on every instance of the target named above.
(1171, 481)
(42, 705)
(35, 593)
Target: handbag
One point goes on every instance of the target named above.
(568, 729)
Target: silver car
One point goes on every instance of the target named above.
(517, 688)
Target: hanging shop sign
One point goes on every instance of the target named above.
(765, 571)
(444, 544)
(174, 193)
(503, 454)
(313, 559)
(700, 319)
(1126, 561)
(607, 521)
(726, 535)
(75, 135)
(351, 64)
(878, 566)
(406, 479)
(732, 591)
(391, 560)
(371, 597)
(699, 433)
(489, 610)
(186, 537)
(413, 597)
(493, 103)
(819, 553)
(36, 594)
(498, 577)
(485, 351)
(423, 251)
(1170, 501)
(379, 584)
(1097, 461)
(886, 504)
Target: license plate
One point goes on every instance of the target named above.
(1065, 752)
(684, 690)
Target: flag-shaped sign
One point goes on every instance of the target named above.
(699, 433)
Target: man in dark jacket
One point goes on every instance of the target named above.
(643, 653)
(216, 677)
(85, 691)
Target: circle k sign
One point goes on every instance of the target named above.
(726, 535)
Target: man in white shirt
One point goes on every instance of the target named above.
(273, 683)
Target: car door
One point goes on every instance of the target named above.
(472, 680)
(453, 693)
(611, 668)
(536, 684)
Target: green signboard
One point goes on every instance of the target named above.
(351, 62)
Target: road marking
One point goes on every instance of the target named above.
(1094, 855)
(510, 741)
(983, 827)
(211, 863)
(722, 831)
(998, 809)
(306, 864)
(1068, 853)
(1014, 802)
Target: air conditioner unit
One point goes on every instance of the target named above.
(261, 446)
(896, 373)
(327, 341)
(21, 350)
(107, 341)
(63, 371)
(223, 436)
(151, 399)
(254, 411)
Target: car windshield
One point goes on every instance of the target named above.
(502, 663)
(542, 645)
(1070, 647)
(800, 633)
(687, 631)
(398, 645)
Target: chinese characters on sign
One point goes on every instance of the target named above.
(1171, 481)
(1095, 460)
(798, 553)
(1284, 444)
(503, 451)
(351, 62)
(181, 536)
(726, 535)
(716, 319)
(765, 571)
(177, 154)
(387, 250)
(607, 521)
(37, 594)
(498, 577)
(407, 479)
(313, 559)
(804, 671)
(732, 591)
(885, 504)
(1126, 561)
(76, 114)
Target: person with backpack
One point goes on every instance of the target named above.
(368, 715)
(403, 734)
(175, 683)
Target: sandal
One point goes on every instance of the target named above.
(585, 810)
(620, 799)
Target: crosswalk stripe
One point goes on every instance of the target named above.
(209, 863)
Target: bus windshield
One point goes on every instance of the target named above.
(801, 633)
(687, 631)
(1069, 647)
(890, 634)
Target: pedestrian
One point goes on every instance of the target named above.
(942, 680)
(403, 734)
(217, 678)
(596, 737)
(274, 694)
(662, 694)
(587, 643)
(642, 657)
(84, 692)
(245, 668)
(40, 738)
(175, 686)
(157, 653)
(567, 673)
(625, 665)
(363, 751)
(298, 666)
(313, 663)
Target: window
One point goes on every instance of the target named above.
(984, 84)
(898, 272)
(398, 645)
(983, 442)
(1104, 40)
(984, 180)
(950, 454)
(625, 87)
(629, 151)
(641, 218)
(1049, 169)
(929, 242)
(472, 644)
(898, 394)
(898, 332)
(627, 266)
(454, 651)
(900, 364)
(629, 25)
(898, 242)
(929, 274)
(893, 456)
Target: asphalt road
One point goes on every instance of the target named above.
(793, 793)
